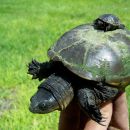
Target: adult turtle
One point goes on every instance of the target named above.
(86, 62)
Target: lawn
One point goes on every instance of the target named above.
(27, 29)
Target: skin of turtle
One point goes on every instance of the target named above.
(55, 93)
(97, 62)
(108, 22)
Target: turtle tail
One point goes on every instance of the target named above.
(60, 88)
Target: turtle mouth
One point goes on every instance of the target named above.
(34, 110)
(39, 109)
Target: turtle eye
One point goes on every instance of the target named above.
(42, 106)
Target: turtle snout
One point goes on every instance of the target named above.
(42, 102)
(38, 104)
(34, 105)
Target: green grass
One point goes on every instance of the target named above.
(27, 29)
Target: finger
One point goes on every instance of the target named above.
(120, 117)
(106, 111)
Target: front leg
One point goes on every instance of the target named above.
(105, 92)
(40, 70)
(88, 102)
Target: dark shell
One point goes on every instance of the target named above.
(95, 55)
(110, 19)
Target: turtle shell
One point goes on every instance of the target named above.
(110, 19)
(95, 55)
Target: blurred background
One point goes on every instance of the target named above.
(27, 29)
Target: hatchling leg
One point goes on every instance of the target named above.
(40, 70)
(108, 28)
(88, 101)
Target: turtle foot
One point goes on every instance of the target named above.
(87, 101)
(105, 92)
(34, 68)
(40, 70)
(95, 114)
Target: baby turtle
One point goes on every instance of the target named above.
(85, 62)
(108, 22)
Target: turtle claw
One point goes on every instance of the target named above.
(95, 114)
(99, 119)
(40, 70)
(34, 68)
(102, 121)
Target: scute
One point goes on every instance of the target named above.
(74, 52)
(108, 18)
(69, 38)
(120, 37)
(95, 55)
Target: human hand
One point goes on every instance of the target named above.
(73, 118)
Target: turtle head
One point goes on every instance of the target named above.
(43, 102)
(108, 22)
(55, 93)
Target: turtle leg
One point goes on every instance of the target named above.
(108, 28)
(88, 101)
(105, 92)
(40, 70)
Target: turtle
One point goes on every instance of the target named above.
(85, 63)
(108, 22)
